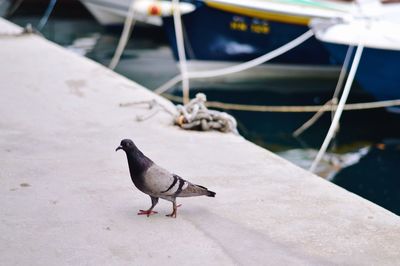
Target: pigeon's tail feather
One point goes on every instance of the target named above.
(211, 193)
(193, 190)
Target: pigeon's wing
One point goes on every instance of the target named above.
(161, 183)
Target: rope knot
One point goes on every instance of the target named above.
(196, 116)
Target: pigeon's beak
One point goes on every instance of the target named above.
(118, 148)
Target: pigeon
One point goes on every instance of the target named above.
(157, 182)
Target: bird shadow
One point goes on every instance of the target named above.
(241, 243)
(245, 245)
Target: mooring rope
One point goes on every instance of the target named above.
(331, 102)
(340, 107)
(293, 108)
(237, 68)
(180, 44)
(46, 15)
(126, 33)
(13, 8)
(342, 76)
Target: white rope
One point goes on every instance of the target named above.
(339, 110)
(293, 108)
(332, 102)
(181, 49)
(240, 67)
(13, 8)
(46, 15)
(313, 119)
(126, 32)
(342, 76)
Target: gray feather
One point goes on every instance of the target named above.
(155, 180)
(159, 182)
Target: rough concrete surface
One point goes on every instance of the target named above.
(66, 197)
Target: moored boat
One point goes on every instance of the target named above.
(225, 32)
(377, 72)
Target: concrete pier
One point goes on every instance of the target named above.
(66, 197)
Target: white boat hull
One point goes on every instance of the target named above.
(114, 12)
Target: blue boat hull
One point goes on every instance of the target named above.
(212, 34)
(378, 71)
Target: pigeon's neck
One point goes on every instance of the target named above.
(138, 163)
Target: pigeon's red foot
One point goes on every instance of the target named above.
(146, 212)
(173, 214)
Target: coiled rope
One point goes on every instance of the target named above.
(196, 116)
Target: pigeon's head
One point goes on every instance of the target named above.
(126, 144)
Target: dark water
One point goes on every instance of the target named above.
(364, 157)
